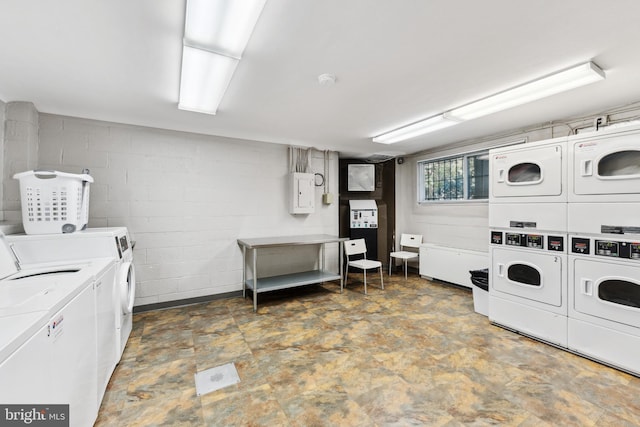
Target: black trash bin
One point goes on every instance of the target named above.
(480, 280)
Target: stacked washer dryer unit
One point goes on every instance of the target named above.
(528, 250)
(604, 249)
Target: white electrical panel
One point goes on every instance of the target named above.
(303, 193)
(363, 213)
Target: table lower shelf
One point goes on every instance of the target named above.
(292, 280)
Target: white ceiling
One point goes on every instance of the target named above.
(396, 61)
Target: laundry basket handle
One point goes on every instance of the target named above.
(44, 174)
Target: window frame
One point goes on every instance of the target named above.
(465, 171)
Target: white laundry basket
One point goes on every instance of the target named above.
(54, 202)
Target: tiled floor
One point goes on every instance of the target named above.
(413, 354)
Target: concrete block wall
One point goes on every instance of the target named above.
(186, 198)
(20, 153)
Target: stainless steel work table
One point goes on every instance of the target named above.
(273, 283)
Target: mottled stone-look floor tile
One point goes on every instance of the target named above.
(217, 349)
(324, 408)
(175, 409)
(162, 380)
(414, 353)
(401, 403)
(164, 347)
(255, 407)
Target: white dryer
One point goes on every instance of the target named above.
(604, 300)
(528, 186)
(604, 167)
(533, 172)
(530, 217)
(528, 284)
(112, 242)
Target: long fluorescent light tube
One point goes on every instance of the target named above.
(204, 80)
(216, 34)
(222, 26)
(419, 128)
(571, 78)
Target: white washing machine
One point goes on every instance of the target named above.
(604, 167)
(49, 334)
(528, 284)
(604, 300)
(113, 242)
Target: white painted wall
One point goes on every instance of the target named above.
(186, 198)
(464, 225)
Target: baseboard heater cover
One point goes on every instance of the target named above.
(451, 264)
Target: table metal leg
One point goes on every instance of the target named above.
(341, 263)
(255, 281)
(244, 272)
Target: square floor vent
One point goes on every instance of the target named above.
(216, 378)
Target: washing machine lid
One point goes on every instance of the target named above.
(16, 330)
(8, 262)
(69, 247)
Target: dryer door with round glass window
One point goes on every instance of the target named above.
(607, 290)
(528, 275)
(526, 172)
(607, 165)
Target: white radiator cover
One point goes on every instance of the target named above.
(451, 264)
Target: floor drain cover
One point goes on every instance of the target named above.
(216, 378)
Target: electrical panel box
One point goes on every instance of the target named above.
(303, 194)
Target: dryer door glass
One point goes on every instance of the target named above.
(607, 165)
(524, 274)
(620, 292)
(525, 173)
(620, 164)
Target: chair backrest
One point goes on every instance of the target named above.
(410, 240)
(355, 247)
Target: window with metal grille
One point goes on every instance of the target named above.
(463, 177)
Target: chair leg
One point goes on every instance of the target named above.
(365, 281)
(390, 258)
(405, 269)
(381, 279)
(346, 275)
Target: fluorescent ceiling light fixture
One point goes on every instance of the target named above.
(216, 34)
(204, 80)
(571, 78)
(416, 129)
(222, 26)
(562, 81)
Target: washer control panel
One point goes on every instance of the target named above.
(555, 243)
(496, 237)
(607, 248)
(514, 239)
(531, 241)
(580, 245)
(612, 248)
